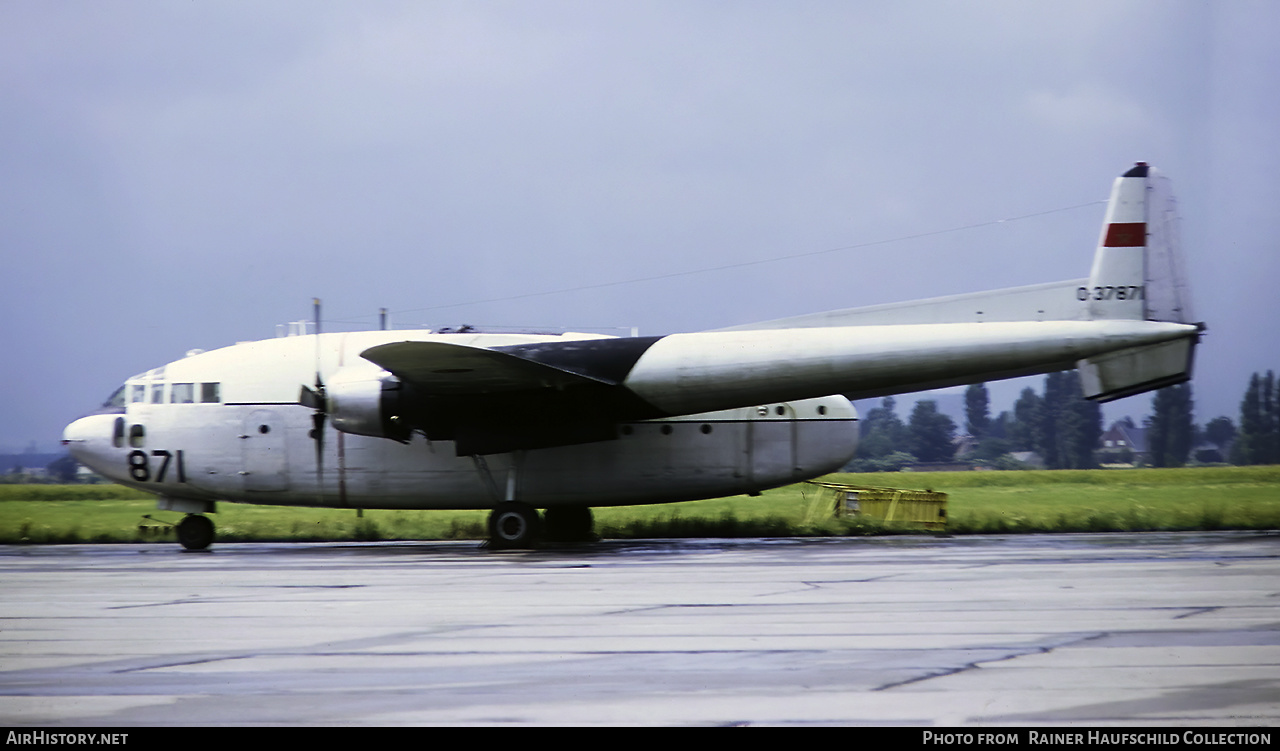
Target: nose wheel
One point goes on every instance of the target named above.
(195, 532)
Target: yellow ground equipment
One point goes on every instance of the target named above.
(926, 508)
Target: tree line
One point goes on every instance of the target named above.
(1258, 440)
(1064, 429)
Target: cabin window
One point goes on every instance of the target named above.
(706, 429)
(822, 410)
(666, 430)
(780, 409)
(210, 393)
(138, 393)
(117, 436)
(157, 393)
(137, 436)
(182, 393)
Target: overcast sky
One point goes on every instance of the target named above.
(183, 175)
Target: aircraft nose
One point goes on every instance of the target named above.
(82, 435)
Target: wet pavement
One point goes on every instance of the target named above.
(1107, 629)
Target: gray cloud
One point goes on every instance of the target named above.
(189, 175)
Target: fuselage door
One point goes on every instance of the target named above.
(771, 443)
(266, 460)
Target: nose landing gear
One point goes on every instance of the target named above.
(195, 532)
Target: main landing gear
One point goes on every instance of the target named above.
(195, 532)
(514, 525)
(569, 524)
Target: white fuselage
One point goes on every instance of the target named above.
(227, 425)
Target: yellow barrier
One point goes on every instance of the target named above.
(926, 508)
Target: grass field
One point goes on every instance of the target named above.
(979, 502)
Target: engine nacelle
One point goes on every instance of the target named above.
(367, 401)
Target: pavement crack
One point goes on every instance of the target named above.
(926, 677)
(1071, 641)
(182, 663)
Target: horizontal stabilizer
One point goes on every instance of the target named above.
(1116, 375)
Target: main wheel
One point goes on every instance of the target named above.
(513, 525)
(195, 532)
(569, 524)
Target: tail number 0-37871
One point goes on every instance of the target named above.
(1122, 292)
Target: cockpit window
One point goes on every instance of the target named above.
(116, 399)
(154, 393)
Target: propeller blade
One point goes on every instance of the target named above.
(310, 398)
(315, 399)
(317, 433)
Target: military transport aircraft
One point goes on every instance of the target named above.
(520, 422)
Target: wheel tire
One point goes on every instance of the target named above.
(513, 525)
(195, 532)
(569, 524)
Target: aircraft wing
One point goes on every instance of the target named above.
(443, 368)
(518, 396)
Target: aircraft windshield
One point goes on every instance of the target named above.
(116, 399)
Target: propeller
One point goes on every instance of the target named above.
(316, 400)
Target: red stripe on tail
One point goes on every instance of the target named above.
(1126, 235)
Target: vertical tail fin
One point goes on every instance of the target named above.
(1138, 274)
